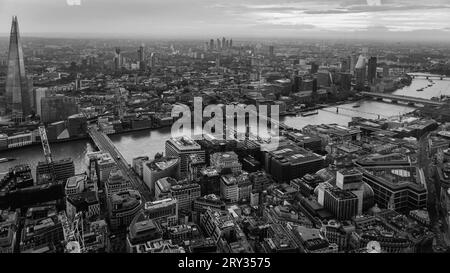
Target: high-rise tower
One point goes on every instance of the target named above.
(372, 70)
(18, 85)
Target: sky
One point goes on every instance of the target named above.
(403, 19)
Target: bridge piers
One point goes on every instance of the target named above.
(400, 98)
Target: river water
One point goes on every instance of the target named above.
(150, 142)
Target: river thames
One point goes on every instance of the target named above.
(150, 142)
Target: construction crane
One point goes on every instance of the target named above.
(45, 145)
(47, 151)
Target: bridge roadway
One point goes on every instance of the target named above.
(402, 98)
(105, 144)
(429, 77)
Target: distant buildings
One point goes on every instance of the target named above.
(372, 70)
(40, 93)
(118, 60)
(360, 72)
(56, 108)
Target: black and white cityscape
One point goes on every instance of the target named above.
(207, 126)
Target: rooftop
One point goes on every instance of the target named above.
(74, 181)
(184, 143)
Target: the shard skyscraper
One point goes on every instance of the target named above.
(18, 86)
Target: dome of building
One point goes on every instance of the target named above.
(374, 210)
(368, 197)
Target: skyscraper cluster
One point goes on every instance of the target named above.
(220, 44)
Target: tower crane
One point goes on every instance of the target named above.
(47, 151)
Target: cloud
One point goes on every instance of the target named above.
(376, 8)
(209, 17)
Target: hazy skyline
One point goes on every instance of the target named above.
(403, 19)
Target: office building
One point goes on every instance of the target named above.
(345, 82)
(116, 182)
(338, 233)
(183, 147)
(185, 193)
(58, 107)
(18, 90)
(260, 181)
(235, 187)
(352, 180)
(195, 166)
(62, 170)
(141, 231)
(398, 191)
(360, 72)
(165, 210)
(138, 165)
(343, 204)
(43, 230)
(372, 70)
(141, 57)
(123, 207)
(162, 187)
(75, 184)
(217, 224)
(226, 162)
(271, 51)
(312, 241)
(105, 163)
(118, 60)
(290, 161)
(160, 168)
(9, 224)
(323, 78)
(86, 202)
(209, 181)
(77, 125)
(213, 201)
(39, 93)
